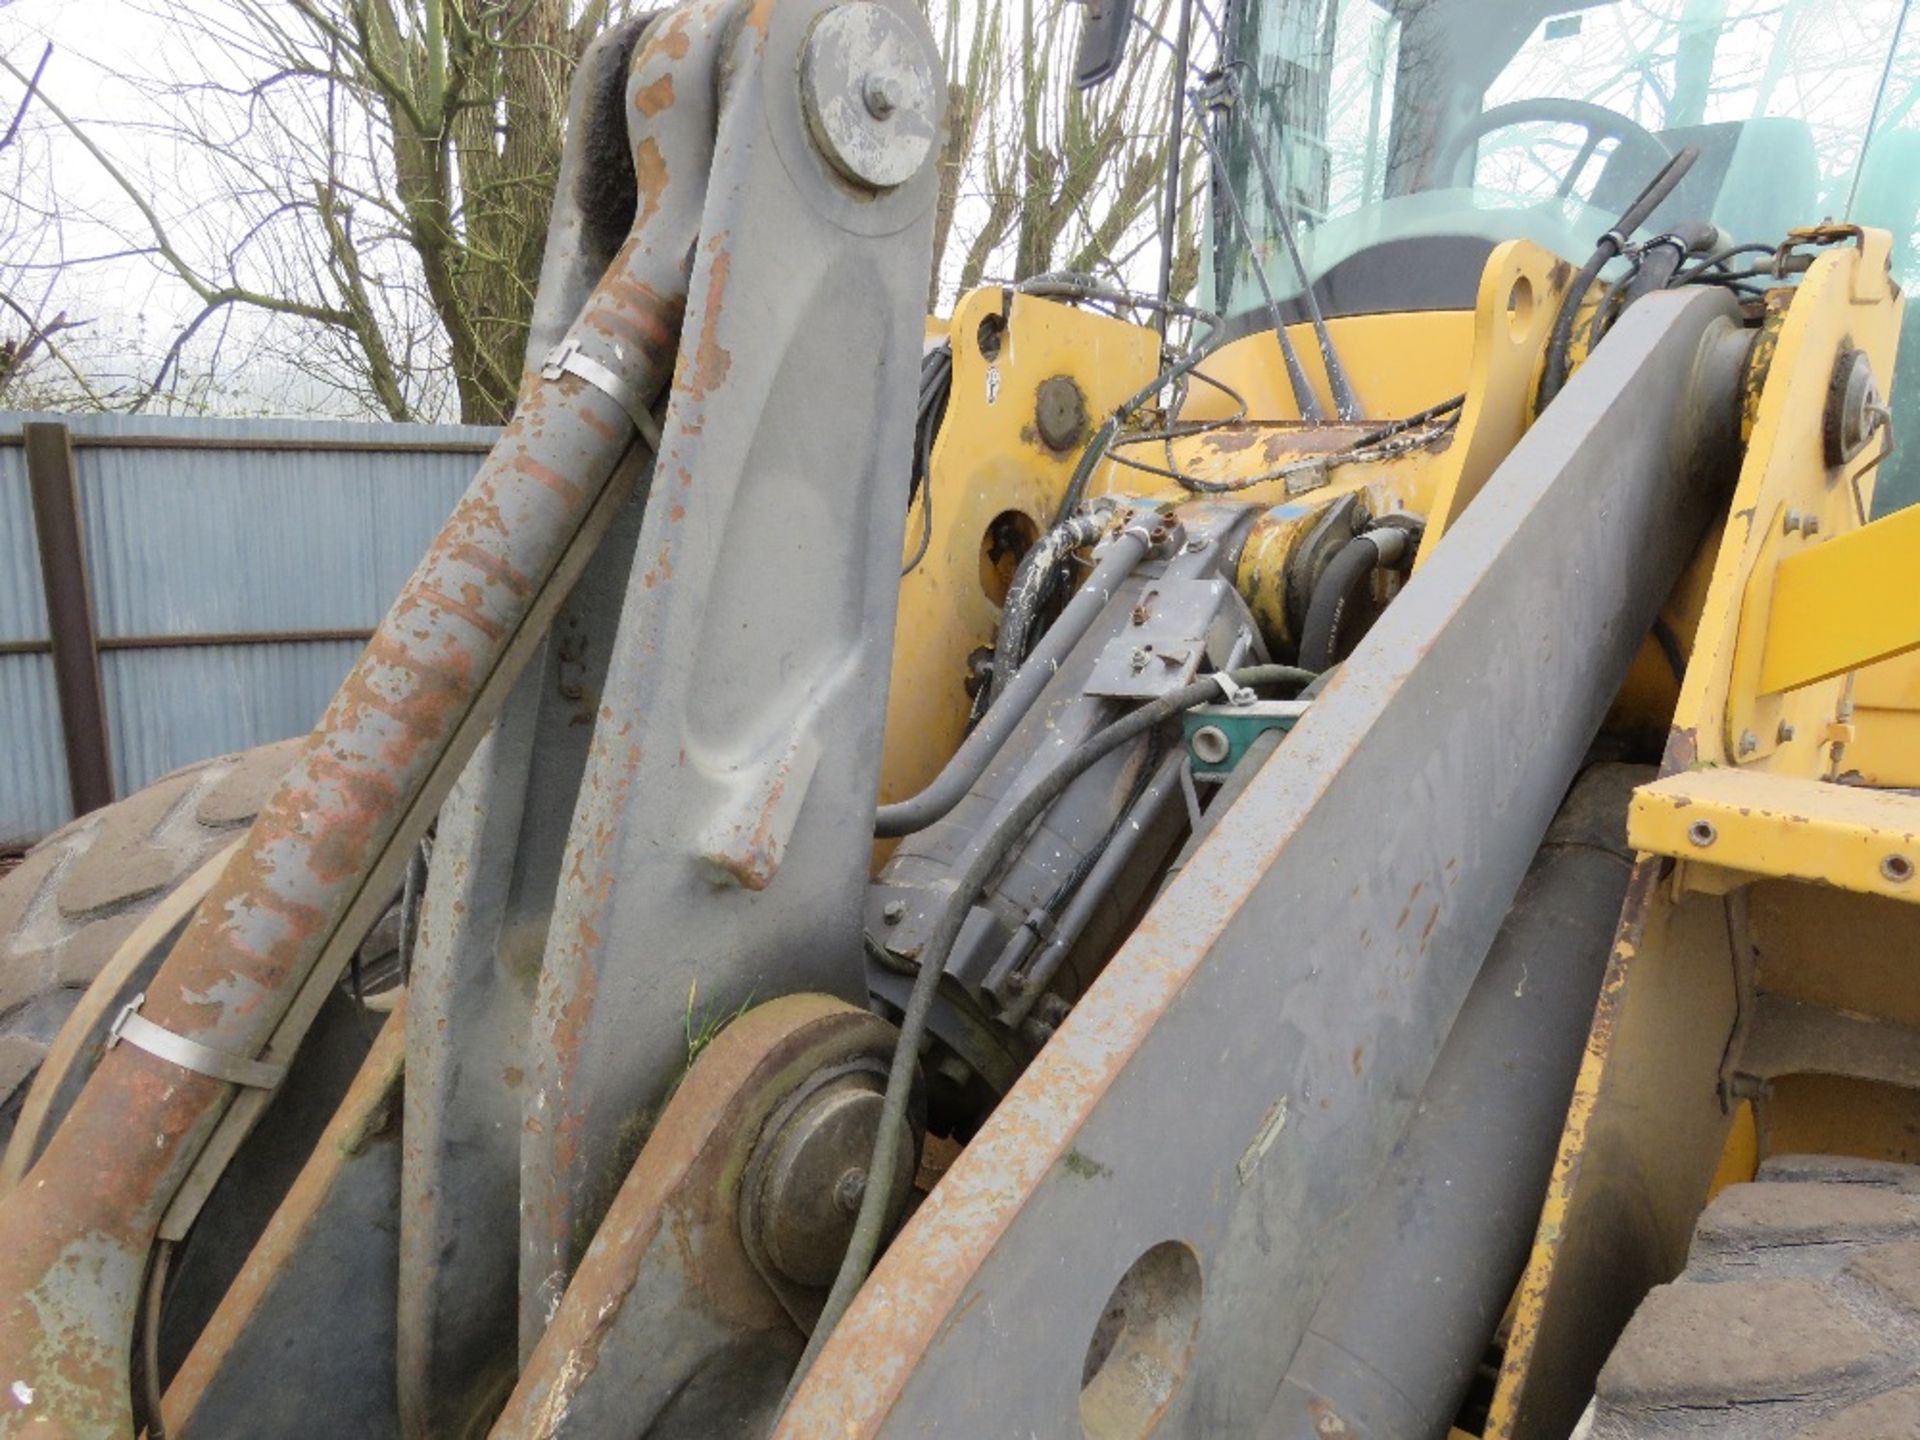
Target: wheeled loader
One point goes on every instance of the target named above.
(1335, 860)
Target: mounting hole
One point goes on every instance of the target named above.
(993, 329)
(1210, 745)
(1702, 833)
(1009, 535)
(1520, 306)
(1142, 1346)
(1897, 868)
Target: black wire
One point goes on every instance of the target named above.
(1352, 451)
(936, 389)
(1607, 308)
(990, 851)
(1720, 257)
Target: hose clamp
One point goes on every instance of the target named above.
(569, 357)
(1231, 690)
(141, 1033)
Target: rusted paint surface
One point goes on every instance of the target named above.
(1531, 1296)
(368, 1106)
(650, 99)
(667, 1281)
(710, 360)
(717, 852)
(106, 1178)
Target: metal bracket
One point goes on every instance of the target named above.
(569, 357)
(1231, 690)
(141, 1033)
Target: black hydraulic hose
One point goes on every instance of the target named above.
(1554, 374)
(976, 752)
(1662, 257)
(1170, 190)
(1032, 583)
(1340, 587)
(936, 388)
(992, 850)
(1086, 892)
(1103, 437)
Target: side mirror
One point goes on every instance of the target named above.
(1103, 42)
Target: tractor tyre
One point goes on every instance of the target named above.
(1798, 1315)
(79, 893)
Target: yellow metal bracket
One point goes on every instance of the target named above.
(1844, 604)
(1773, 825)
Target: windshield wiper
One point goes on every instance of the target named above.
(1344, 403)
(1303, 397)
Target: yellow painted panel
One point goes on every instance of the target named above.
(1513, 316)
(989, 461)
(1399, 364)
(1862, 840)
(1844, 604)
(1725, 715)
(1885, 749)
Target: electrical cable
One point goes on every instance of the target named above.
(990, 851)
(1303, 396)
(1103, 437)
(1344, 404)
(150, 1310)
(936, 388)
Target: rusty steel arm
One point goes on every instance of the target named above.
(319, 861)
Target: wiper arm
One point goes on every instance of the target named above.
(1303, 397)
(1344, 403)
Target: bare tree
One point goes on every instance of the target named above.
(370, 178)
(1037, 176)
(352, 195)
(35, 366)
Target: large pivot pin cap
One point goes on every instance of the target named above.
(866, 84)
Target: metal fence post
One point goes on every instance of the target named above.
(63, 573)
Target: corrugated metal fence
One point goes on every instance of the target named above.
(235, 567)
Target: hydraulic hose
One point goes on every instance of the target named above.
(1554, 374)
(1032, 582)
(1340, 587)
(1122, 842)
(993, 848)
(976, 752)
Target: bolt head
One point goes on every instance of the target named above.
(881, 96)
(1749, 742)
(869, 95)
(849, 1189)
(894, 911)
(1785, 732)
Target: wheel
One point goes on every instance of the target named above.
(78, 894)
(1798, 1315)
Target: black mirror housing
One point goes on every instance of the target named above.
(1103, 42)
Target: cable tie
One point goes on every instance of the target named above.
(141, 1033)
